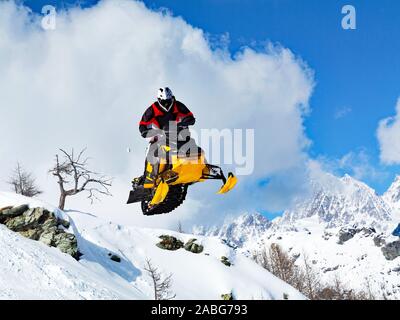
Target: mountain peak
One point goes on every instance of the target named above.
(248, 227)
(252, 219)
(392, 195)
(351, 181)
(346, 176)
(343, 201)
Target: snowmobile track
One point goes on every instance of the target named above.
(175, 197)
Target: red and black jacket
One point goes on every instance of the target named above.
(156, 117)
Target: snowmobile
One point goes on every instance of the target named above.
(175, 173)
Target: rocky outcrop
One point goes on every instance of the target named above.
(329, 269)
(114, 257)
(193, 247)
(169, 243)
(227, 296)
(379, 240)
(391, 250)
(346, 234)
(41, 225)
(172, 243)
(226, 261)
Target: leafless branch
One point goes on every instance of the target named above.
(74, 177)
(23, 182)
(161, 286)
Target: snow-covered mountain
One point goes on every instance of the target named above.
(244, 229)
(392, 195)
(32, 270)
(341, 228)
(345, 203)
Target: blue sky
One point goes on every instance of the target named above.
(356, 71)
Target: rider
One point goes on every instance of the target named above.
(158, 118)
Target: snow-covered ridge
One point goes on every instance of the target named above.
(313, 228)
(31, 270)
(245, 228)
(339, 202)
(347, 203)
(392, 195)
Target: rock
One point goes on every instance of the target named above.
(63, 222)
(5, 208)
(229, 243)
(169, 243)
(114, 257)
(285, 296)
(32, 234)
(41, 225)
(67, 243)
(16, 224)
(37, 217)
(391, 250)
(346, 234)
(190, 242)
(193, 247)
(226, 261)
(227, 296)
(396, 269)
(327, 235)
(47, 237)
(296, 255)
(19, 209)
(32, 218)
(11, 212)
(368, 231)
(328, 269)
(379, 241)
(50, 222)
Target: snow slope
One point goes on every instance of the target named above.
(392, 195)
(358, 262)
(311, 229)
(31, 270)
(392, 198)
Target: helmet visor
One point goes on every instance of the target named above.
(166, 103)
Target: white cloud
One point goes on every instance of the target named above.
(87, 83)
(355, 163)
(389, 138)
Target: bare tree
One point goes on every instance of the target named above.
(278, 262)
(311, 280)
(303, 277)
(74, 177)
(23, 182)
(161, 286)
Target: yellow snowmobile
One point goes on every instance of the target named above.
(167, 190)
